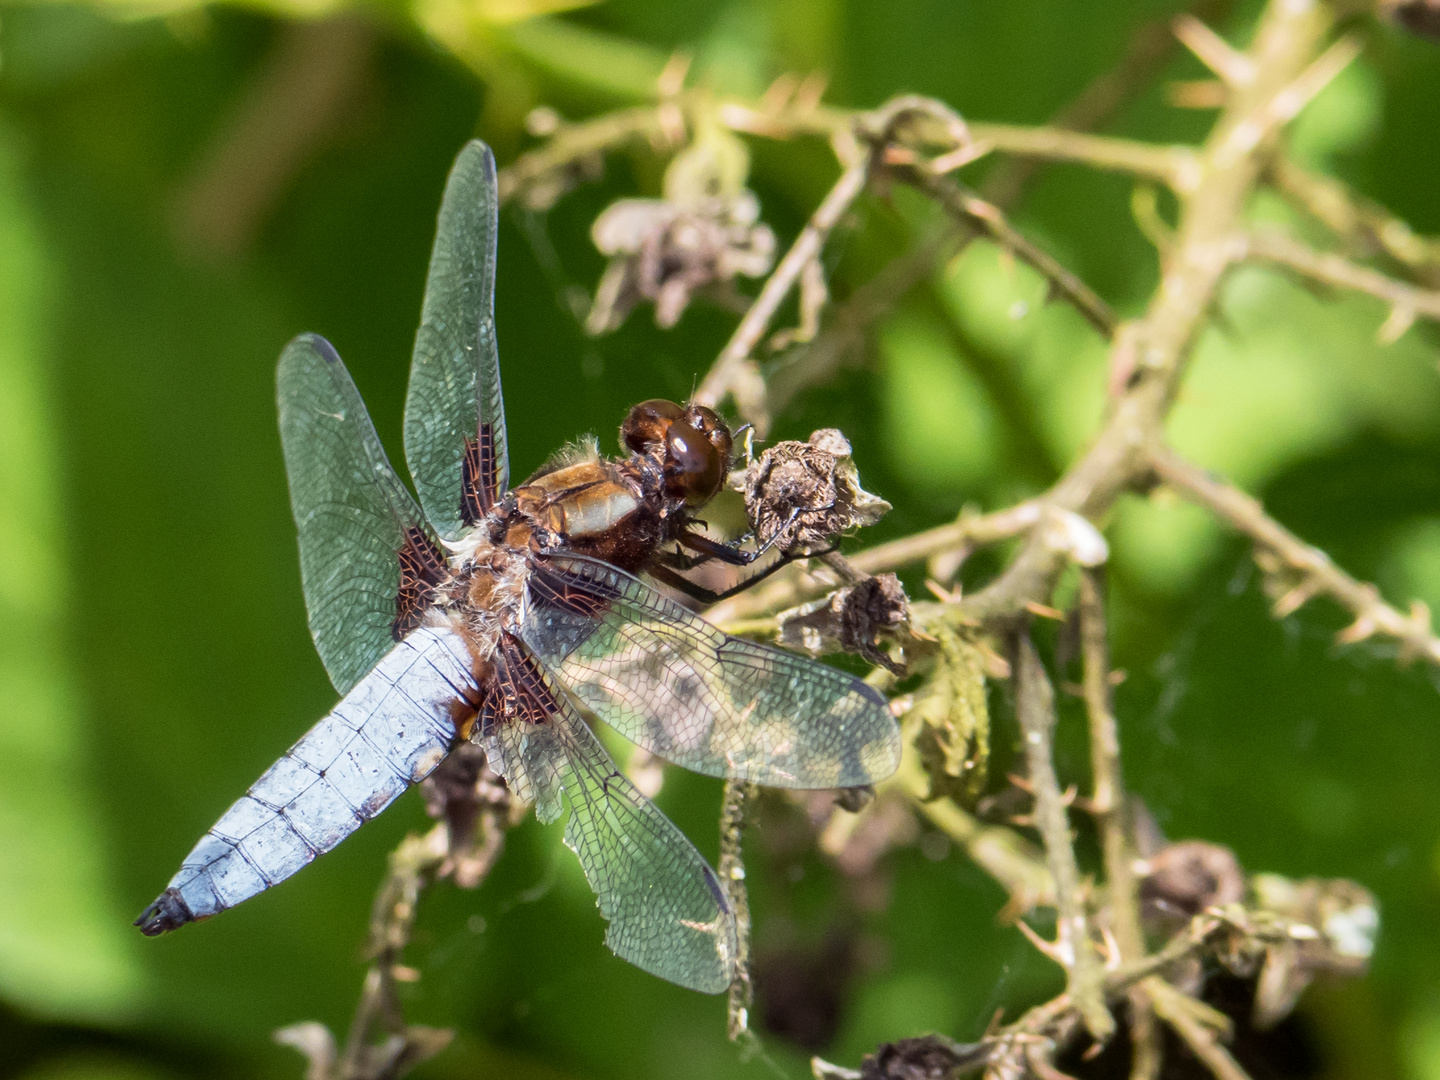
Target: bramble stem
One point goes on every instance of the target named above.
(1317, 574)
(735, 372)
(1035, 709)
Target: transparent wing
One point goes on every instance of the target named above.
(365, 557)
(454, 416)
(389, 732)
(669, 681)
(667, 913)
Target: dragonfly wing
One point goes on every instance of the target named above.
(365, 557)
(454, 416)
(667, 913)
(669, 681)
(389, 732)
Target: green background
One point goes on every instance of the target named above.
(154, 657)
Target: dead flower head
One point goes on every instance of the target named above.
(1185, 878)
(473, 801)
(800, 495)
(702, 235)
(1331, 926)
(849, 620)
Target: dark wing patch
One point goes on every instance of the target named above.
(669, 681)
(517, 692)
(583, 598)
(480, 483)
(422, 568)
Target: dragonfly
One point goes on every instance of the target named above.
(513, 618)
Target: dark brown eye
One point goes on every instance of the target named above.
(694, 468)
(712, 427)
(645, 427)
(717, 433)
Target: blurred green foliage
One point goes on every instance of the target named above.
(153, 651)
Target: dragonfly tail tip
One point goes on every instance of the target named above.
(168, 912)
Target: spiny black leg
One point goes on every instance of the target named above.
(680, 583)
(679, 560)
(696, 591)
(714, 549)
(731, 553)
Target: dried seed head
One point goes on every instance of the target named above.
(928, 1057)
(665, 252)
(800, 495)
(1185, 879)
(849, 620)
(1330, 926)
(702, 235)
(474, 803)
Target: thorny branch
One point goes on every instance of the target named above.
(1299, 572)
(1102, 938)
(735, 373)
(987, 218)
(1108, 804)
(1149, 47)
(1363, 226)
(1190, 1022)
(731, 869)
(1406, 301)
(1035, 710)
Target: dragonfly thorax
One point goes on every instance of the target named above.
(485, 597)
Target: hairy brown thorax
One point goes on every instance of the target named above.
(617, 511)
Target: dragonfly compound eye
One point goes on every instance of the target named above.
(694, 467)
(712, 427)
(645, 426)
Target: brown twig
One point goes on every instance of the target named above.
(735, 372)
(795, 586)
(731, 869)
(1175, 166)
(1184, 1015)
(987, 217)
(1035, 710)
(1108, 803)
(575, 142)
(1362, 224)
(1194, 939)
(1108, 798)
(1332, 269)
(1315, 573)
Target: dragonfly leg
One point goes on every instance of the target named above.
(707, 548)
(696, 591)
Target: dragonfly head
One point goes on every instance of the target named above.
(692, 444)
